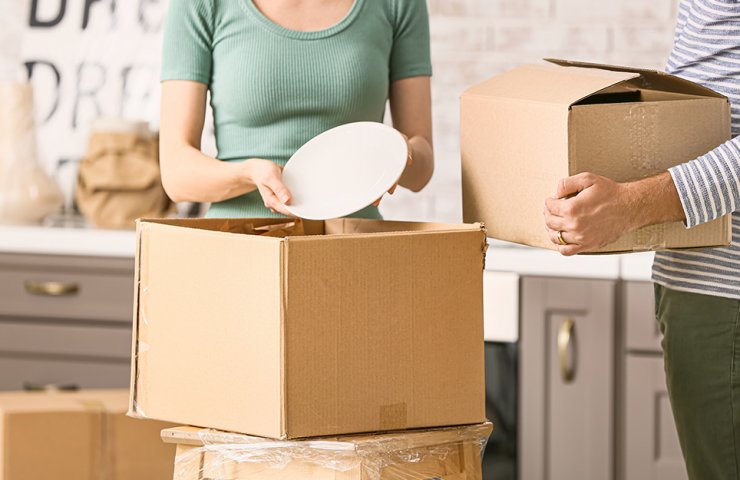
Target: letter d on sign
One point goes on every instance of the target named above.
(35, 22)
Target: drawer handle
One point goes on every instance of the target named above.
(52, 289)
(35, 387)
(565, 335)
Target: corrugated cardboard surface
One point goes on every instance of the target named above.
(390, 341)
(78, 435)
(524, 130)
(372, 326)
(209, 331)
(447, 454)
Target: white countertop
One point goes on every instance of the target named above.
(506, 263)
(501, 257)
(509, 257)
(67, 241)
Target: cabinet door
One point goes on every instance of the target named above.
(62, 288)
(567, 423)
(18, 373)
(652, 451)
(641, 330)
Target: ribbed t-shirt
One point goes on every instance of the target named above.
(272, 89)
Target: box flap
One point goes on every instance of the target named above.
(652, 79)
(549, 84)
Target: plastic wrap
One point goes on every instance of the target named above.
(440, 454)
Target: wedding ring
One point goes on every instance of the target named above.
(561, 239)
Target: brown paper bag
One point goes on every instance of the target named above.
(119, 180)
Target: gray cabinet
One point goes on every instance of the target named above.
(65, 321)
(652, 451)
(650, 444)
(567, 379)
(642, 334)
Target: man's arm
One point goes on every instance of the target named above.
(709, 186)
(592, 211)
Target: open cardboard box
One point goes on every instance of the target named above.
(525, 129)
(310, 328)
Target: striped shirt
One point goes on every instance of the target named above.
(706, 50)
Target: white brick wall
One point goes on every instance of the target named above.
(474, 39)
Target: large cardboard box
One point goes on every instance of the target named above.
(83, 435)
(441, 454)
(525, 129)
(308, 329)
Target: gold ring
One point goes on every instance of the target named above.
(561, 239)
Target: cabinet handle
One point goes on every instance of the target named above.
(52, 289)
(35, 387)
(565, 334)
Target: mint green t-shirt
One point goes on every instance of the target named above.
(273, 89)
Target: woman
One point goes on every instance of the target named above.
(280, 72)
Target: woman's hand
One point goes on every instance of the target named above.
(409, 162)
(267, 176)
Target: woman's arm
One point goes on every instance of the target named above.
(190, 175)
(411, 111)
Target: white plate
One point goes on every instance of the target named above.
(344, 170)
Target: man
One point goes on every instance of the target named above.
(697, 292)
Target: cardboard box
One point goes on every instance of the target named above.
(317, 328)
(441, 454)
(524, 130)
(82, 435)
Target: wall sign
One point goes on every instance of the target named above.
(86, 59)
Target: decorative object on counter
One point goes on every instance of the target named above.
(119, 180)
(27, 192)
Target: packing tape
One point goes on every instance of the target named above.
(137, 410)
(643, 139)
(485, 242)
(393, 416)
(650, 238)
(101, 461)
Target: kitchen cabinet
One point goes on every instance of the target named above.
(567, 379)
(652, 451)
(642, 334)
(65, 321)
(593, 399)
(651, 447)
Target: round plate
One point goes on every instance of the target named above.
(344, 170)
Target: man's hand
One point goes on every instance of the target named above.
(590, 211)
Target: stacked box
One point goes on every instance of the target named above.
(442, 454)
(83, 435)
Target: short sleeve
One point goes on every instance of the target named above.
(188, 37)
(410, 55)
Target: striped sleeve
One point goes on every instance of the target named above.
(709, 186)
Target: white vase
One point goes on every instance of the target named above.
(27, 193)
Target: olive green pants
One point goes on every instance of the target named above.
(701, 347)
